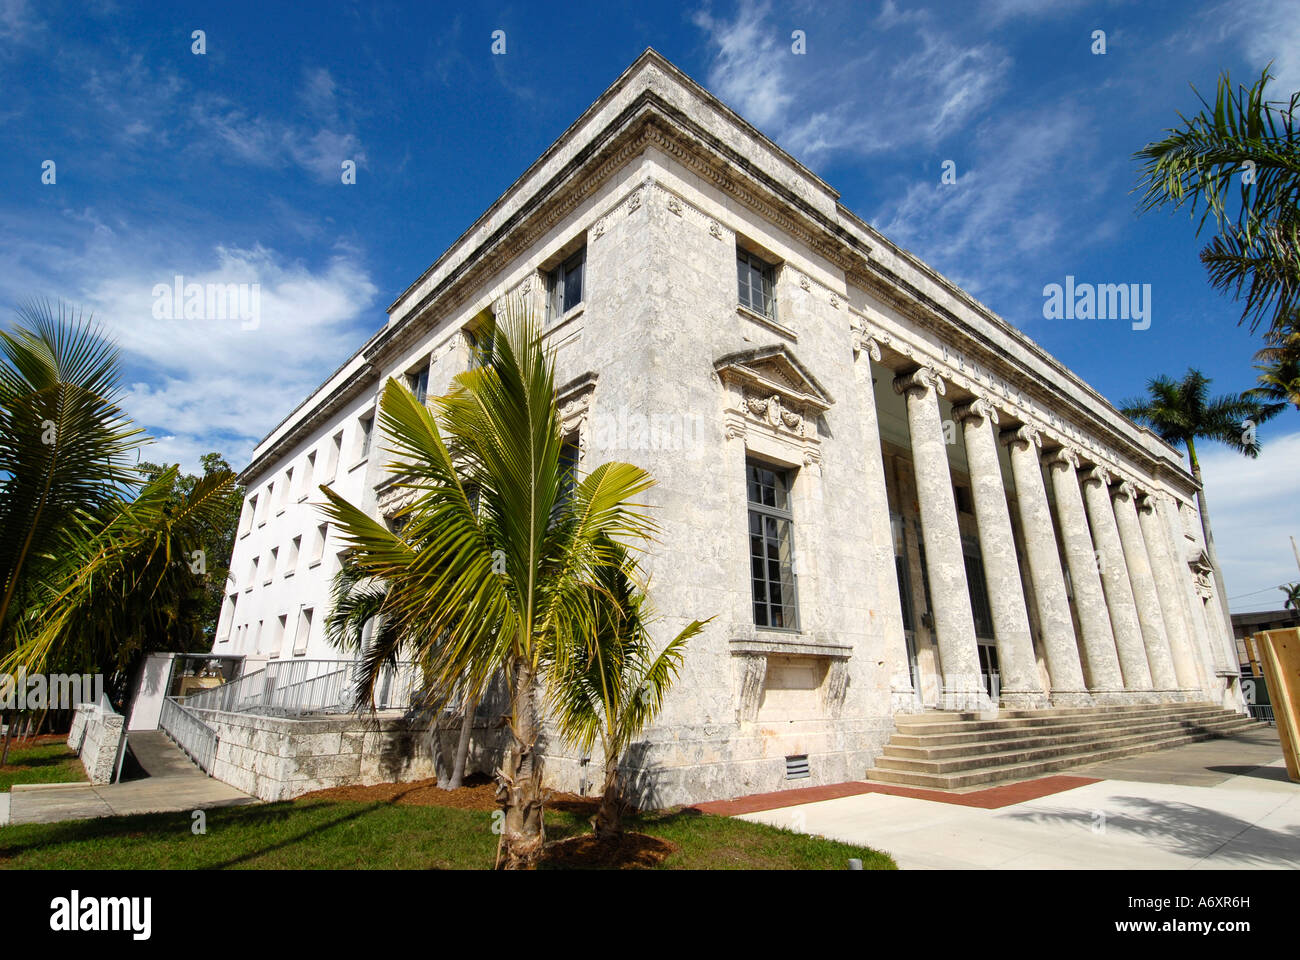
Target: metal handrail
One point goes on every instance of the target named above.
(189, 732)
(298, 687)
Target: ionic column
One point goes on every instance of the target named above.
(1168, 589)
(954, 623)
(866, 349)
(1151, 619)
(1167, 511)
(1089, 598)
(1060, 647)
(1020, 684)
(1115, 583)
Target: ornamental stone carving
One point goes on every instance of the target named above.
(674, 205)
(867, 340)
(773, 403)
(715, 231)
(920, 380)
(977, 409)
(1024, 435)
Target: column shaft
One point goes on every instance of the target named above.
(1019, 670)
(1107, 682)
(1115, 582)
(1060, 646)
(1151, 618)
(1167, 591)
(954, 623)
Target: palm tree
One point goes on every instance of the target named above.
(65, 444)
(1292, 591)
(1243, 149)
(509, 546)
(613, 685)
(1279, 365)
(357, 602)
(1182, 412)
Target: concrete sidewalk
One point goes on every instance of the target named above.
(1220, 804)
(174, 784)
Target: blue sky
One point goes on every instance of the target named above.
(226, 167)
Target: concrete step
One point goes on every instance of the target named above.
(976, 744)
(995, 772)
(933, 725)
(973, 732)
(159, 756)
(1034, 751)
(1048, 713)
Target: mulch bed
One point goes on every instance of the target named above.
(478, 793)
(635, 851)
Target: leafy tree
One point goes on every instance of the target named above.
(218, 542)
(509, 548)
(613, 685)
(1182, 412)
(1238, 161)
(1292, 591)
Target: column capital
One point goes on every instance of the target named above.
(921, 380)
(1098, 474)
(1063, 457)
(1146, 502)
(978, 408)
(1022, 434)
(867, 340)
(1125, 491)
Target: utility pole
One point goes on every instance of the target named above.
(1295, 551)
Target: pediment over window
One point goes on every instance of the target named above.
(774, 369)
(769, 389)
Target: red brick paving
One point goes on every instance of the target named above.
(989, 799)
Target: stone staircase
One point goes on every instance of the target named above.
(948, 751)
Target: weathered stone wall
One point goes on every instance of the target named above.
(96, 735)
(278, 758)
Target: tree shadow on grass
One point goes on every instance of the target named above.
(1180, 828)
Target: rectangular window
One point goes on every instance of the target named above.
(335, 452)
(564, 286)
(252, 512)
(318, 548)
(291, 561)
(569, 453)
(307, 475)
(252, 574)
(277, 640)
(257, 637)
(480, 348)
(271, 564)
(367, 427)
(417, 382)
(756, 284)
(978, 587)
(303, 635)
(901, 566)
(285, 487)
(232, 602)
(771, 547)
(246, 518)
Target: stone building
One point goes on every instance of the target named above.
(890, 499)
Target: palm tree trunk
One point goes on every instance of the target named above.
(462, 747)
(10, 719)
(609, 814)
(520, 789)
(1208, 536)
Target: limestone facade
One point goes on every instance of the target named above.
(958, 520)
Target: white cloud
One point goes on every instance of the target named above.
(864, 104)
(1254, 510)
(198, 385)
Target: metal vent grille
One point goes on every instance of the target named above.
(796, 768)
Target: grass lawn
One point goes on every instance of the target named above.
(323, 834)
(41, 762)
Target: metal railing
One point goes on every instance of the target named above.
(297, 687)
(1262, 711)
(190, 733)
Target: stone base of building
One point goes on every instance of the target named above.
(1025, 700)
(1072, 699)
